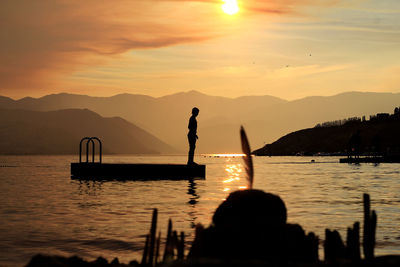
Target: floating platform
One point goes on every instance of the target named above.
(111, 171)
(99, 171)
(378, 159)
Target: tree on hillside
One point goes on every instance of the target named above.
(353, 146)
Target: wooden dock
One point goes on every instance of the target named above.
(119, 171)
(91, 170)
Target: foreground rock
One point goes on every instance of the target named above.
(251, 225)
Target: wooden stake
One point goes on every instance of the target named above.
(169, 249)
(374, 220)
(181, 246)
(145, 251)
(370, 220)
(152, 237)
(158, 248)
(353, 242)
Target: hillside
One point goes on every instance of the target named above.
(265, 118)
(376, 137)
(59, 132)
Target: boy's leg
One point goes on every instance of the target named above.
(192, 146)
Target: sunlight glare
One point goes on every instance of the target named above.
(230, 7)
(234, 172)
(226, 155)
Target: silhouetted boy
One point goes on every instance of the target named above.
(192, 135)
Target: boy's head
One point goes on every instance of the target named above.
(195, 111)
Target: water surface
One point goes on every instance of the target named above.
(43, 211)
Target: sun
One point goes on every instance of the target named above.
(230, 7)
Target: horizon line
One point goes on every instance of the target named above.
(191, 91)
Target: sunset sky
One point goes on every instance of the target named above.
(285, 48)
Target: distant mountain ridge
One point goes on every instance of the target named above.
(59, 132)
(265, 118)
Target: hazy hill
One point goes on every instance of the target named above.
(265, 118)
(59, 132)
(379, 136)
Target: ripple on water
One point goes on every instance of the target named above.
(43, 210)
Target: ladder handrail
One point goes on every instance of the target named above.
(90, 139)
(100, 148)
(80, 148)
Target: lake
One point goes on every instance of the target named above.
(43, 211)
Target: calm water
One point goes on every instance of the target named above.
(43, 211)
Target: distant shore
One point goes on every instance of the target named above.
(357, 137)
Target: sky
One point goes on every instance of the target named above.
(285, 48)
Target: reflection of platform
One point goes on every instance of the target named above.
(110, 171)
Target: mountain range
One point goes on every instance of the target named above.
(59, 132)
(266, 118)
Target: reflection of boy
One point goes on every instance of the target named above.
(192, 135)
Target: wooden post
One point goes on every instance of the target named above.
(356, 235)
(181, 246)
(145, 251)
(169, 249)
(366, 242)
(175, 241)
(374, 220)
(158, 248)
(312, 247)
(334, 247)
(353, 242)
(370, 221)
(152, 237)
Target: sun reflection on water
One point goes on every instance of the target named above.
(234, 180)
(223, 155)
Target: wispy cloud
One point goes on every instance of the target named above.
(39, 39)
(42, 41)
(299, 71)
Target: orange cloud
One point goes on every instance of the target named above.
(41, 41)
